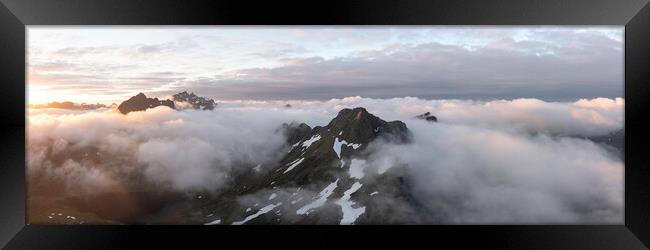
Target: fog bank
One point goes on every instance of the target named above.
(506, 161)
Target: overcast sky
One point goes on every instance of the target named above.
(109, 64)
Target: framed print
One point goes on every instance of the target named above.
(158, 123)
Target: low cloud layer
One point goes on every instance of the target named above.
(478, 175)
(509, 161)
(585, 117)
(181, 150)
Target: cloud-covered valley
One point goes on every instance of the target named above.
(503, 161)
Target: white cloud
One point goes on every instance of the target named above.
(481, 175)
(189, 149)
(585, 117)
(483, 162)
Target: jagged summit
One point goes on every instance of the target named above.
(349, 132)
(197, 102)
(359, 126)
(141, 102)
(345, 137)
(327, 162)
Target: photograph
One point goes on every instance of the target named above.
(325, 125)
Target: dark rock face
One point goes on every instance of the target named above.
(359, 126)
(428, 117)
(140, 102)
(295, 132)
(196, 101)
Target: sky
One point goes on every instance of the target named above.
(105, 64)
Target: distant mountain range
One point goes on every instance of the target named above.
(197, 102)
(67, 105)
(140, 102)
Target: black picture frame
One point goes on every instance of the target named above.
(16, 14)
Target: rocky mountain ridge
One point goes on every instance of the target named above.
(195, 101)
(324, 178)
(141, 102)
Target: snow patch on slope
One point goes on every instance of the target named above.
(214, 222)
(337, 146)
(260, 212)
(320, 200)
(350, 214)
(311, 140)
(295, 163)
(356, 168)
(339, 143)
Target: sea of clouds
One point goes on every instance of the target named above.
(503, 161)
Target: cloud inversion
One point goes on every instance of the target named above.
(517, 161)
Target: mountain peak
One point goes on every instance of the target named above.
(141, 102)
(197, 102)
(347, 116)
(330, 159)
(359, 126)
(346, 135)
(358, 113)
